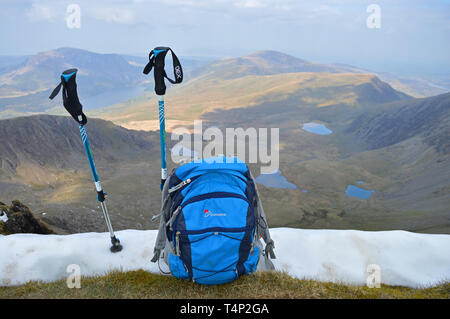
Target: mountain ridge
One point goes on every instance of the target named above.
(40, 72)
(263, 62)
(427, 117)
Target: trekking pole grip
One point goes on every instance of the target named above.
(160, 85)
(70, 95)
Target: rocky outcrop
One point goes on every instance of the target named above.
(19, 219)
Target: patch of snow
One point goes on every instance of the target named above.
(405, 258)
(3, 216)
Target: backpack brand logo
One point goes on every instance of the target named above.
(207, 213)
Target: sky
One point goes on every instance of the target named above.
(402, 35)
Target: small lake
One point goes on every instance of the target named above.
(355, 191)
(274, 180)
(112, 97)
(316, 128)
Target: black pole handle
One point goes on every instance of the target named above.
(159, 72)
(70, 95)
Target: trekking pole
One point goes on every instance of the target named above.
(157, 60)
(74, 107)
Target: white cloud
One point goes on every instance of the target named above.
(114, 14)
(250, 4)
(41, 12)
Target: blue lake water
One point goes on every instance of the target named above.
(112, 97)
(316, 128)
(331, 203)
(274, 180)
(355, 191)
(360, 182)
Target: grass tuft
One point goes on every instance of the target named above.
(268, 285)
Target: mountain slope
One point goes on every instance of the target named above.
(418, 86)
(274, 62)
(43, 163)
(24, 88)
(263, 63)
(413, 137)
(41, 72)
(254, 84)
(428, 118)
(8, 61)
(27, 140)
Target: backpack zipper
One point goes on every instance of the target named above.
(214, 195)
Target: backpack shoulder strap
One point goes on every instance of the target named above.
(161, 238)
(262, 228)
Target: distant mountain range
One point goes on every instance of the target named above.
(40, 72)
(25, 87)
(264, 76)
(274, 62)
(26, 81)
(263, 63)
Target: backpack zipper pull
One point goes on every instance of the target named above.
(180, 185)
(172, 219)
(177, 238)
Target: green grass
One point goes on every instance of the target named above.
(142, 284)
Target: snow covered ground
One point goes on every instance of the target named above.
(403, 258)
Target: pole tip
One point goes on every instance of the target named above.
(116, 246)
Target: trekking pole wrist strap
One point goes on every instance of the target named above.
(157, 61)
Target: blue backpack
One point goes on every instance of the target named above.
(211, 223)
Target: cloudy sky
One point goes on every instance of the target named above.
(414, 35)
